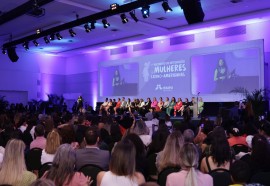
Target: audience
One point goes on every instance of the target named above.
(62, 171)
(122, 167)
(189, 175)
(13, 169)
(52, 143)
(235, 137)
(240, 172)
(40, 140)
(91, 154)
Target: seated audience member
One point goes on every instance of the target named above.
(170, 106)
(169, 157)
(52, 143)
(205, 128)
(62, 171)
(185, 107)
(159, 105)
(147, 104)
(103, 105)
(166, 103)
(91, 154)
(188, 136)
(220, 152)
(240, 173)
(117, 106)
(154, 103)
(235, 137)
(200, 105)
(123, 105)
(13, 169)
(142, 131)
(177, 106)
(39, 141)
(128, 105)
(108, 106)
(189, 175)
(122, 167)
(264, 129)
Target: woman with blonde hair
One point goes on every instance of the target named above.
(169, 157)
(52, 143)
(122, 167)
(189, 175)
(13, 170)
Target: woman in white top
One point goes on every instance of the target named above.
(189, 175)
(52, 144)
(122, 167)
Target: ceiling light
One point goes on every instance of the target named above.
(87, 28)
(93, 25)
(35, 43)
(132, 14)
(166, 6)
(26, 45)
(59, 37)
(124, 18)
(52, 37)
(71, 32)
(105, 23)
(4, 51)
(146, 11)
(46, 40)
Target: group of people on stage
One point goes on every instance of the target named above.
(111, 106)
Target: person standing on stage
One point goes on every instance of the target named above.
(80, 104)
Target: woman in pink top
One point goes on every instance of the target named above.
(154, 103)
(189, 175)
(62, 171)
(177, 106)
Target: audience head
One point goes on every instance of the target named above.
(220, 149)
(92, 136)
(260, 150)
(138, 143)
(234, 131)
(189, 159)
(140, 128)
(39, 130)
(53, 142)
(122, 161)
(43, 182)
(240, 172)
(264, 128)
(188, 136)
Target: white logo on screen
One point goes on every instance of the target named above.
(164, 88)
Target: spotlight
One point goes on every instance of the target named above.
(124, 18)
(146, 11)
(4, 51)
(166, 6)
(132, 14)
(35, 43)
(59, 37)
(105, 23)
(46, 40)
(114, 6)
(87, 28)
(71, 32)
(52, 37)
(38, 31)
(93, 25)
(26, 45)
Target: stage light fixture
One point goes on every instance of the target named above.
(105, 23)
(114, 6)
(4, 51)
(166, 6)
(124, 18)
(58, 36)
(26, 45)
(146, 11)
(92, 26)
(52, 37)
(133, 15)
(46, 40)
(71, 32)
(38, 31)
(87, 28)
(35, 43)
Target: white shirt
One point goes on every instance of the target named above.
(110, 179)
(45, 157)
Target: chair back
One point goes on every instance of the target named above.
(261, 178)
(221, 177)
(239, 148)
(33, 159)
(44, 167)
(91, 170)
(162, 176)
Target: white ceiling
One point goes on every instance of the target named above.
(62, 11)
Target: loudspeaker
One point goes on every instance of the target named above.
(192, 10)
(12, 54)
